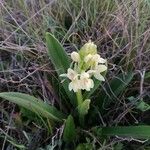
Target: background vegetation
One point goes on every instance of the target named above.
(121, 29)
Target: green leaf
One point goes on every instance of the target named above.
(147, 75)
(69, 130)
(119, 83)
(33, 104)
(57, 54)
(84, 107)
(143, 106)
(140, 104)
(118, 146)
(60, 61)
(140, 132)
(84, 146)
(83, 110)
(117, 86)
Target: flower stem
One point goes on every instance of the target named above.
(79, 102)
(79, 97)
(81, 120)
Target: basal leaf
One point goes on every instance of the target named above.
(60, 61)
(33, 104)
(69, 130)
(57, 54)
(140, 132)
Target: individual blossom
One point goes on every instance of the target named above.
(73, 76)
(94, 60)
(75, 85)
(75, 56)
(85, 81)
(97, 72)
(98, 59)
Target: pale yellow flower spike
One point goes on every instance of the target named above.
(80, 77)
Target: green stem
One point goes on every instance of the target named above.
(79, 97)
(81, 120)
(79, 102)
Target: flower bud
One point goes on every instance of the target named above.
(75, 56)
(88, 48)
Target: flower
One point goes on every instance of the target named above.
(99, 69)
(98, 59)
(74, 85)
(94, 60)
(71, 74)
(75, 56)
(85, 81)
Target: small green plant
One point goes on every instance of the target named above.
(80, 77)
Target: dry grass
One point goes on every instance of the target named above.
(121, 29)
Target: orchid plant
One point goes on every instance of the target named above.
(81, 76)
(85, 65)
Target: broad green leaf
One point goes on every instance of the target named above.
(34, 117)
(33, 104)
(57, 54)
(69, 130)
(140, 132)
(116, 87)
(60, 61)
